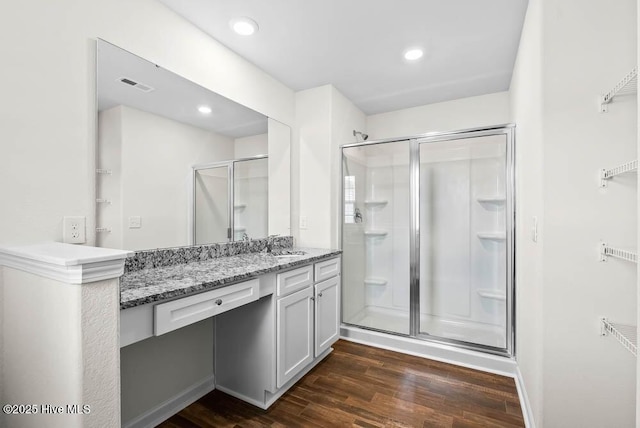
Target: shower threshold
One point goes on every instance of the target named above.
(397, 321)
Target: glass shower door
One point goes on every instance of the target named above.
(375, 236)
(464, 233)
(211, 204)
(250, 198)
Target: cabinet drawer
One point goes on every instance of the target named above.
(294, 280)
(188, 310)
(327, 269)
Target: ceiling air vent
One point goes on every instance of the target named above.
(137, 85)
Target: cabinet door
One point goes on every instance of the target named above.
(327, 322)
(294, 343)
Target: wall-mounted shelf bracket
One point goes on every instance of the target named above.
(607, 251)
(625, 334)
(608, 174)
(628, 85)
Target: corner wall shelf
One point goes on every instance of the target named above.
(104, 171)
(494, 236)
(607, 251)
(628, 85)
(492, 199)
(375, 233)
(625, 334)
(491, 294)
(375, 281)
(374, 203)
(608, 174)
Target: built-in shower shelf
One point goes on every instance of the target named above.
(240, 207)
(375, 233)
(492, 199)
(375, 281)
(491, 294)
(625, 334)
(493, 236)
(375, 203)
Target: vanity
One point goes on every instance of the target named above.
(274, 316)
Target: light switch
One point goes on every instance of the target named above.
(135, 222)
(303, 222)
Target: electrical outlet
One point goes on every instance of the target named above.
(74, 230)
(303, 222)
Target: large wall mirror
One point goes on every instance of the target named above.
(181, 165)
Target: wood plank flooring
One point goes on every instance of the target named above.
(361, 386)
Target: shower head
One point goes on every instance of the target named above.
(364, 136)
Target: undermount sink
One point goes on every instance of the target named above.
(288, 253)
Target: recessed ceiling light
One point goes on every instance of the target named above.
(413, 54)
(204, 109)
(244, 26)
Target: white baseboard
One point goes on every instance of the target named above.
(173, 405)
(435, 351)
(527, 413)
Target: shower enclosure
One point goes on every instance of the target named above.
(230, 200)
(427, 237)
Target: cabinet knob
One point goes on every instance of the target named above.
(218, 302)
(313, 298)
(319, 294)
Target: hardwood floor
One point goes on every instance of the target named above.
(361, 386)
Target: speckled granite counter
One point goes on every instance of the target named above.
(152, 285)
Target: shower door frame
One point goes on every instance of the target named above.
(230, 165)
(508, 130)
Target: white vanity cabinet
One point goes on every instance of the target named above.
(308, 321)
(263, 348)
(294, 334)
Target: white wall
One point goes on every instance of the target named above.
(252, 145)
(280, 174)
(48, 144)
(483, 110)
(563, 142)
(526, 112)
(154, 173)
(325, 119)
(578, 141)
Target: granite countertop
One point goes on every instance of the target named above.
(152, 285)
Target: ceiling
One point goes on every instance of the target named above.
(357, 45)
(173, 96)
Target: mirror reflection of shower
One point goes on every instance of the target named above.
(361, 134)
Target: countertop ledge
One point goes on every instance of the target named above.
(72, 264)
(163, 283)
